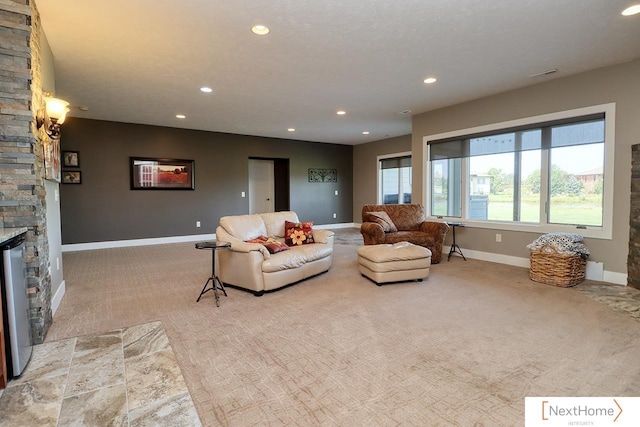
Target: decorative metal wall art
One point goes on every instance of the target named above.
(323, 175)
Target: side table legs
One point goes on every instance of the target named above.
(454, 247)
(216, 285)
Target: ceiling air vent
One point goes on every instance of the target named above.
(544, 73)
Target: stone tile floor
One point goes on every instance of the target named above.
(623, 299)
(125, 377)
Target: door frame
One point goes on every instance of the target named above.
(281, 182)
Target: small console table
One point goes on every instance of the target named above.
(454, 246)
(216, 283)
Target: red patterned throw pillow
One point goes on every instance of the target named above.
(298, 233)
(272, 245)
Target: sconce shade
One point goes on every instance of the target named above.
(57, 109)
(53, 116)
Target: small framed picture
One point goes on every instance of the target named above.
(71, 159)
(71, 177)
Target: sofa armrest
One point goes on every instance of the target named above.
(435, 228)
(372, 233)
(322, 236)
(238, 245)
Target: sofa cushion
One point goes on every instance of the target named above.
(415, 237)
(274, 221)
(244, 227)
(383, 219)
(401, 251)
(298, 233)
(296, 257)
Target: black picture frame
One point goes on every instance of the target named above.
(71, 177)
(71, 159)
(149, 173)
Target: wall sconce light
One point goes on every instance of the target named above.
(54, 115)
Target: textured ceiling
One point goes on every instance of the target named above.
(143, 61)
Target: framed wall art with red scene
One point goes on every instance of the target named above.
(161, 174)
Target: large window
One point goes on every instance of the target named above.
(554, 174)
(394, 179)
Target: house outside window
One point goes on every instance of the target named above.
(554, 174)
(394, 179)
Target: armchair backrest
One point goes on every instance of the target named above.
(244, 227)
(274, 221)
(405, 217)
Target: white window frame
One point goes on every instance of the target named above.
(603, 232)
(378, 170)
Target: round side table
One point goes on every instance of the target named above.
(454, 246)
(216, 283)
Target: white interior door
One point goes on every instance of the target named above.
(261, 186)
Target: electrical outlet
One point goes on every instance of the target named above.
(498, 238)
(336, 192)
(335, 215)
(197, 223)
(243, 194)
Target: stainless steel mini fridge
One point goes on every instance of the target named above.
(16, 306)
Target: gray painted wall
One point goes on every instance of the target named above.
(619, 84)
(103, 208)
(365, 169)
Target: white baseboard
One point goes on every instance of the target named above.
(330, 226)
(595, 270)
(613, 277)
(135, 242)
(57, 298)
(162, 240)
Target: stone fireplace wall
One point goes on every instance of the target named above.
(633, 261)
(22, 189)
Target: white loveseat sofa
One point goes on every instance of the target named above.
(250, 265)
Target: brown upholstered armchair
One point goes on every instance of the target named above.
(407, 225)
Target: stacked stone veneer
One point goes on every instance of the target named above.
(633, 262)
(22, 191)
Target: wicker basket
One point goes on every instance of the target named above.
(552, 268)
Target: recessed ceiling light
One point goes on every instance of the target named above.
(181, 116)
(405, 112)
(631, 10)
(341, 112)
(366, 132)
(260, 30)
(430, 80)
(291, 130)
(206, 89)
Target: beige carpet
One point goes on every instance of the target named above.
(461, 348)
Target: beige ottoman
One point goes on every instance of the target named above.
(394, 263)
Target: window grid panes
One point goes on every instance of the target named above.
(395, 180)
(504, 173)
